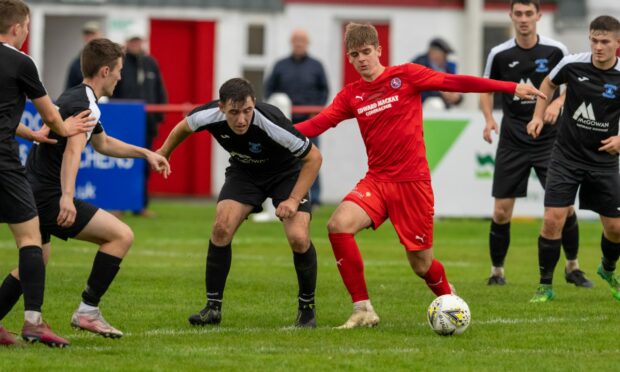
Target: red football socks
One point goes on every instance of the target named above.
(436, 279)
(350, 265)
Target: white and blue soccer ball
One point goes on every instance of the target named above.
(448, 315)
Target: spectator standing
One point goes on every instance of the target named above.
(436, 58)
(303, 79)
(90, 30)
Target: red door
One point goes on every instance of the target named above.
(185, 53)
(349, 73)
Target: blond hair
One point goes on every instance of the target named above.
(357, 35)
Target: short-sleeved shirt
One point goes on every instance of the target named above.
(271, 144)
(591, 112)
(19, 79)
(509, 62)
(45, 160)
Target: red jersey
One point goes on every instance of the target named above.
(389, 113)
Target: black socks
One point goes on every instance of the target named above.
(218, 266)
(32, 277)
(499, 240)
(10, 291)
(570, 237)
(101, 276)
(611, 252)
(548, 256)
(306, 269)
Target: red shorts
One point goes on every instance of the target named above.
(409, 205)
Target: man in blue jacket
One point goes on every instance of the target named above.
(302, 78)
(436, 58)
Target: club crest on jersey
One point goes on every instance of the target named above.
(395, 83)
(610, 91)
(542, 65)
(255, 147)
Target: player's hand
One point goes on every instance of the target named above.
(161, 152)
(80, 123)
(66, 217)
(491, 126)
(534, 127)
(287, 208)
(552, 113)
(158, 163)
(528, 92)
(611, 145)
(41, 136)
(452, 98)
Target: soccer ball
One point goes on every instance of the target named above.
(448, 315)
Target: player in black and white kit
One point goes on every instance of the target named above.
(585, 154)
(268, 158)
(19, 80)
(527, 59)
(52, 170)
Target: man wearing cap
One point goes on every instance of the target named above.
(436, 58)
(90, 30)
(142, 81)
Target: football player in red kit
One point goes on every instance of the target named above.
(386, 102)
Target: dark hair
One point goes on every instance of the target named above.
(12, 12)
(97, 54)
(357, 35)
(536, 3)
(605, 23)
(236, 90)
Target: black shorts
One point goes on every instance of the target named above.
(48, 213)
(599, 191)
(248, 189)
(17, 203)
(513, 169)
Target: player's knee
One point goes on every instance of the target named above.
(299, 242)
(612, 232)
(501, 215)
(125, 237)
(552, 227)
(222, 232)
(337, 225)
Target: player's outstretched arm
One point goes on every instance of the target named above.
(180, 132)
(534, 127)
(116, 148)
(311, 164)
(68, 174)
(486, 106)
(40, 136)
(79, 123)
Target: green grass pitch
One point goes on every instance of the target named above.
(162, 281)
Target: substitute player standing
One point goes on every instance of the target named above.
(386, 102)
(52, 170)
(585, 154)
(268, 158)
(19, 79)
(527, 58)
